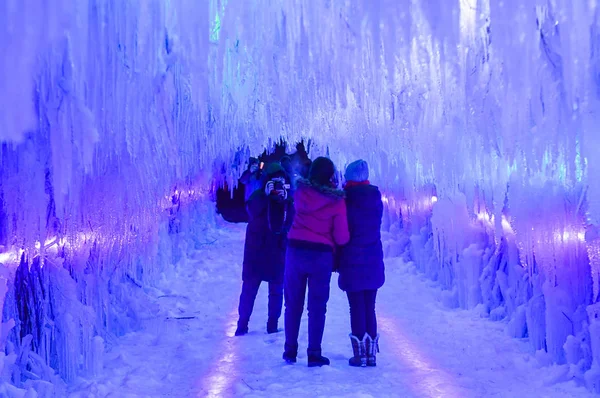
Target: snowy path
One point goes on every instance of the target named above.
(426, 351)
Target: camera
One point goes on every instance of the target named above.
(280, 185)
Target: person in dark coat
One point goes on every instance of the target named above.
(270, 211)
(319, 225)
(360, 262)
(251, 178)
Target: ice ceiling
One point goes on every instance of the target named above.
(460, 93)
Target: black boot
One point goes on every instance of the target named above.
(290, 353)
(316, 359)
(272, 326)
(360, 354)
(372, 348)
(242, 328)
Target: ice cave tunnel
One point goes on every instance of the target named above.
(124, 122)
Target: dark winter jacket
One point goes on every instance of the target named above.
(266, 237)
(360, 262)
(251, 181)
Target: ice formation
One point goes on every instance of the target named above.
(479, 118)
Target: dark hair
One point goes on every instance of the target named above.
(321, 171)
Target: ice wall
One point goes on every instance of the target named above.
(104, 135)
(479, 118)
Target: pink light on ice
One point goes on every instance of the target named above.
(220, 379)
(424, 376)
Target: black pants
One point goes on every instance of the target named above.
(249, 292)
(304, 267)
(362, 313)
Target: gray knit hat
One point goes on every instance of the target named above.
(357, 171)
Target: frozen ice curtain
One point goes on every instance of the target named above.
(478, 119)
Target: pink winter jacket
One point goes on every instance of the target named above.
(320, 216)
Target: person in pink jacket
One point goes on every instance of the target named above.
(320, 224)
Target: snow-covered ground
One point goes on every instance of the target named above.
(188, 348)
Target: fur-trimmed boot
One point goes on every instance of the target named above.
(372, 348)
(360, 354)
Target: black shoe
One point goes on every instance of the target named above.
(360, 354)
(241, 330)
(372, 348)
(317, 360)
(289, 357)
(272, 327)
(290, 352)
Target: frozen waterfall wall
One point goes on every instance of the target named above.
(106, 150)
(478, 117)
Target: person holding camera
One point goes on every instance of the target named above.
(360, 262)
(270, 211)
(319, 225)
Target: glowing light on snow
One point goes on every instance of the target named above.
(434, 199)
(222, 376)
(428, 380)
